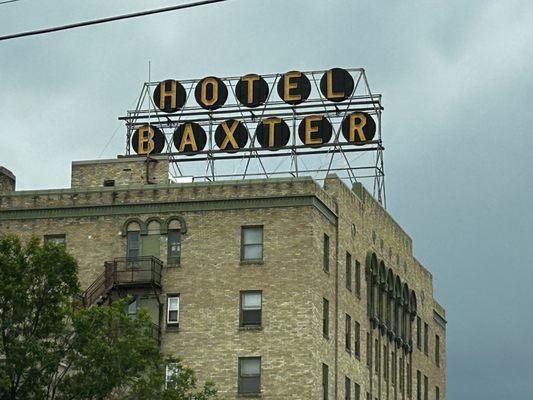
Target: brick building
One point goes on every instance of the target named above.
(275, 288)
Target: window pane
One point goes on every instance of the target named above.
(250, 366)
(173, 316)
(250, 384)
(174, 243)
(253, 235)
(251, 317)
(173, 303)
(251, 301)
(253, 252)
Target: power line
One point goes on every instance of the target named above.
(8, 1)
(108, 19)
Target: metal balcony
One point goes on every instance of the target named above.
(124, 273)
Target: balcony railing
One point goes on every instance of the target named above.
(124, 272)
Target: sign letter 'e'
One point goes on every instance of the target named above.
(294, 87)
(315, 130)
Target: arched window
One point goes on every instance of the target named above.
(151, 242)
(133, 240)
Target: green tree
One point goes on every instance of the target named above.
(53, 349)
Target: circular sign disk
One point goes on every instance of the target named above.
(148, 139)
(358, 127)
(272, 133)
(211, 93)
(231, 135)
(336, 84)
(169, 96)
(189, 138)
(251, 90)
(294, 87)
(315, 130)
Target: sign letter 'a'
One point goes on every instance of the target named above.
(358, 127)
(148, 139)
(189, 138)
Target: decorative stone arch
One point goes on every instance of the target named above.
(179, 218)
(372, 263)
(382, 273)
(154, 219)
(398, 289)
(405, 295)
(136, 220)
(413, 304)
(390, 282)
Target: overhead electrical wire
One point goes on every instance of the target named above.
(8, 1)
(108, 19)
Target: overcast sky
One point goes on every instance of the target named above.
(457, 82)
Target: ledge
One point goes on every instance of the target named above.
(251, 328)
(251, 262)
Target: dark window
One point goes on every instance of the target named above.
(426, 339)
(326, 253)
(419, 333)
(357, 334)
(426, 389)
(386, 363)
(348, 332)
(60, 239)
(173, 310)
(252, 243)
(348, 271)
(437, 350)
(358, 279)
(394, 368)
(418, 385)
(356, 391)
(347, 388)
(376, 356)
(368, 396)
(368, 350)
(174, 246)
(402, 374)
(325, 318)
(250, 375)
(437, 393)
(325, 380)
(133, 245)
(251, 308)
(132, 309)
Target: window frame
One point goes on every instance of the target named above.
(426, 338)
(348, 332)
(243, 244)
(173, 259)
(325, 317)
(347, 388)
(240, 376)
(357, 288)
(325, 381)
(53, 238)
(242, 310)
(168, 321)
(128, 245)
(437, 350)
(357, 339)
(348, 271)
(325, 252)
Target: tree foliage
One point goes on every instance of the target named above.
(53, 349)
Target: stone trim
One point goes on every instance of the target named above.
(164, 207)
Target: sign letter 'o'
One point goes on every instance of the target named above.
(315, 130)
(169, 96)
(148, 139)
(272, 133)
(189, 138)
(211, 93)
(358, 127)
(251, 90)
(231, 135)
(294, 87)
(336, 84)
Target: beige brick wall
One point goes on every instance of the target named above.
(211, 276)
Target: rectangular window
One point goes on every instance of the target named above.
(132, 309)
(437, 350)
(252, 243)
(325, 318)
(249, 375)
(173, 310)
(368, 350)
(418, 385)
(60, 239)
(376, 356)
(356, 391)
(325, 262)
(426, 339)
(419, 333)
(437, 393)
(357, 334)
(402, 374)
(348, 271)
(386, 363)
(358, 279)
(171, 374)
(174, 246)
(133, 245)
(426, 389)
(348, 333)
(325, 382)
(394, 368)
(347, 388)
(251, 308)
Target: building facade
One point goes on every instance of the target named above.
(272, 288)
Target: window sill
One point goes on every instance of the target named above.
(172, 327)
(252, 262)
(325, 336)
(250, 395)
(326, 271)
(173, 264)
(251, 328)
